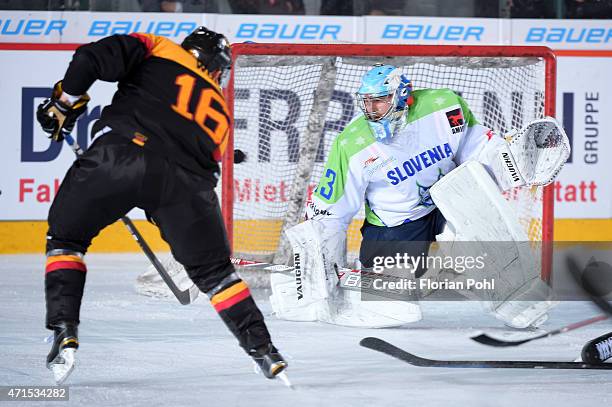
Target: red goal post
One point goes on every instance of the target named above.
(270, 80)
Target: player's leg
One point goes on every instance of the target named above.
(89, 198)
(412, 238)
(190, 221)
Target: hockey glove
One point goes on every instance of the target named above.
(58, 118)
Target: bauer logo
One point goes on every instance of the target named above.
(433, 32)
(569, 35)
(172, 29)
(288, 31)
(31, 27)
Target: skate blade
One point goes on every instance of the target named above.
(64, 366)
(283, 377)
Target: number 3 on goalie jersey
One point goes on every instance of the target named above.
(205, 109)
(331, 176)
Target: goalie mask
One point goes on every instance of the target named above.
(212, 50)
(383, 97)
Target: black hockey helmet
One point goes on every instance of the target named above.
(212, 50)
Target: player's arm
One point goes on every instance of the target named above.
(110, 59)
(340, 192)
(533, 155)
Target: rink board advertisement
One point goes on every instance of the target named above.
(584, 101)
(81, 27)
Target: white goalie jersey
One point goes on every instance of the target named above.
(393, 180)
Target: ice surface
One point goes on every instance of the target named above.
(141, 351)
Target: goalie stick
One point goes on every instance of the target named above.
(488, 340)
(385, 347)
(349, 279)
(576, 273)
(183, 296)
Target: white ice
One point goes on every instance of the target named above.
(141, 351)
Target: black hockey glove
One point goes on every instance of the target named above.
(58, 118)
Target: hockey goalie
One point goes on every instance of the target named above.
(425, 170)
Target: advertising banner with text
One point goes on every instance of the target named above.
(32, 166)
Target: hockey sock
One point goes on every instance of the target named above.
(64, 282)
(238, 310)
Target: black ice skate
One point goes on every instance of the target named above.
(270, 362)
(60, 359)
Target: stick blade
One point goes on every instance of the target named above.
(485, 339)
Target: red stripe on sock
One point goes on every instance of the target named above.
(66, 265)
(232, 300)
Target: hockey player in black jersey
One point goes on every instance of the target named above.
(157, 147)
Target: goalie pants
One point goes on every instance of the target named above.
(106, 182)
(412, 238)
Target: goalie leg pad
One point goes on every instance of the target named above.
(375, 308)
(312, 293)
(477, 212)
(292, 302)
(301, 295)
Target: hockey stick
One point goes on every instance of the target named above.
(183, 296)
(586, 286)
(348, 279)
(488, 340)
(387, 348)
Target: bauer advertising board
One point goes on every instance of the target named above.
(288, 29)
(562, 34)
(433, 30)
(82, 27)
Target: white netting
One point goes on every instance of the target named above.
(275, 97)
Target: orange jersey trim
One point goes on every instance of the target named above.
(162, 47)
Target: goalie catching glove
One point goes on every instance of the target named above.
(533, 155)
(58, 114)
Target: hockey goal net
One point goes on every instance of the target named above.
(290, 101)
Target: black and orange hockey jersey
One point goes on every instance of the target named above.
(164, 102)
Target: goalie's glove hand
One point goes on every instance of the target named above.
(57, 117)
(540, 149)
